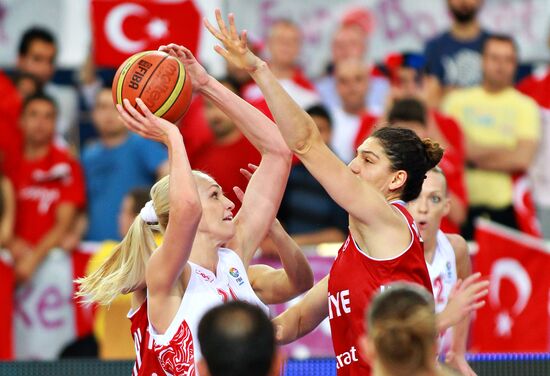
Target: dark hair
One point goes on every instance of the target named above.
(401, 324)
(408, 109)
(406, 151)
(39, 96)
(32, 34)
(140, 196)
(500, 38)
(237, 339)
(320, 111)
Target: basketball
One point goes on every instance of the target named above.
(160, 80)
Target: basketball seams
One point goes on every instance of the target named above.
(148, 78)
(176, 91)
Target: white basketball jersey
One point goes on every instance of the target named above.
(178, 348)
(443, 276)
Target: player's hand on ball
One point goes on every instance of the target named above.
(199, 76)
(147, 125)
(235, 48)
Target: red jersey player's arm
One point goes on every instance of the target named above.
(467, 296)
(378, 219)
(275, 286)
(302, 318)
(457, 354)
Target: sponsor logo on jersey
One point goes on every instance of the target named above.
(235, 274)
(204, 276)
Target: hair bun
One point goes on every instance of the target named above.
(434, 152)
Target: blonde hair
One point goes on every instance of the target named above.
(124, 271)
(401, 324)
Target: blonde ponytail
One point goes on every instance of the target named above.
(124, 270)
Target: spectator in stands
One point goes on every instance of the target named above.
(7, 219)
(228, 152)
(502, 129)
(349, 42)
(411, 113)
(111, 327)
(10, 142)
(352, 117)
(49, 189)
(537, 86)
(236, 339)
(118, 162)
(7, 211)
(453, 58)
(284, 45)
(308, 213)
(36, 56)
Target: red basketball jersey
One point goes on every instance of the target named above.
(146, 360)
(354, 278)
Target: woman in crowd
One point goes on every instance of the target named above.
(447, 259)
(383, 244)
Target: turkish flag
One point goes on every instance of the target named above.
(524, 207)
(515, 318)
(123, 28)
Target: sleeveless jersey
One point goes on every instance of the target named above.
(146, 363)
(443, 275)
(177, 349)
(354, 279)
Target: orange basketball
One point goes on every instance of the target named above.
(158, 79)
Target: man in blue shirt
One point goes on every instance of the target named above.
(117, 163)
(453, 58)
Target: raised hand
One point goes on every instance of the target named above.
(199, 76)
(247, 174)
(147, 125)
(235, 48)
(458, 362)
(465, 298)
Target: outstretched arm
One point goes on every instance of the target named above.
(166, 264)
(301, 134)
(302, 318)
(456, 357)
(264, 193)
(279, 285)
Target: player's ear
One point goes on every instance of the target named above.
(366, 349)
(447, 208)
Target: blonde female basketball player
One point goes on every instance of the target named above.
(205, 253)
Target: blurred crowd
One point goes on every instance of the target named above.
(72, 173)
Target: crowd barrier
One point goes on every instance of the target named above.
(505, 364)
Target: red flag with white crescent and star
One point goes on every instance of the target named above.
(515, 317)
(123, 28)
